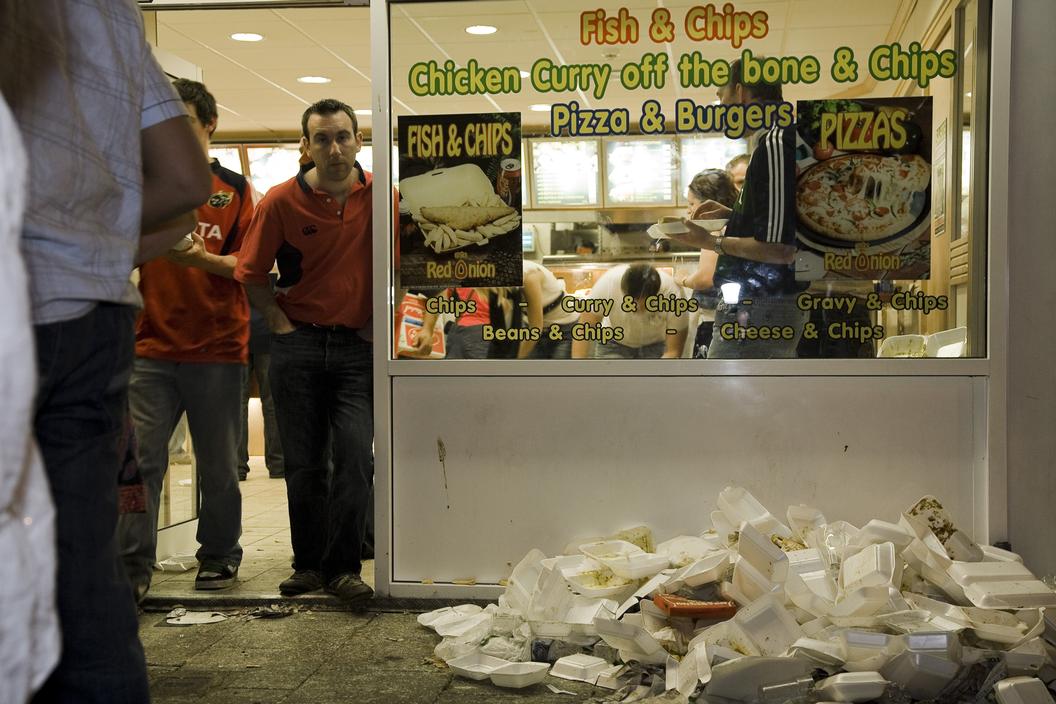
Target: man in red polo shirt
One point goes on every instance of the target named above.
(318, 226)
(191, 347)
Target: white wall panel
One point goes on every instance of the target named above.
(534, 462)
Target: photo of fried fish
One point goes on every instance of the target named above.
(466, 217)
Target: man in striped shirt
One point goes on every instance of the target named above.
(758, 248)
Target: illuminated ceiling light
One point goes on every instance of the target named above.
(247, 37)
(526, 74)
(539, 107)
(481, 29)
(362, 112)
(313, 79)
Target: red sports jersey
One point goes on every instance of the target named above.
(190, 315)
(324, 250)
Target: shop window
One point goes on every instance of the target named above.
(229, 157)
(843, 219)
(271, 165)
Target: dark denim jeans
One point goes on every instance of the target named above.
(322, 382)
(81, 404)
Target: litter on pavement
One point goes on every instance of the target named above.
(757, 610)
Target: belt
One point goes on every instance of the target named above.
(554, 303)
(328, 328)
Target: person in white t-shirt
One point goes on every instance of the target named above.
(623, 294)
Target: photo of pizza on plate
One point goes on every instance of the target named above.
(863, 197)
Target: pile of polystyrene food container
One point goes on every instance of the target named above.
(760, 611)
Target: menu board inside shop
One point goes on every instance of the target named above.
(564, 173)
(460, 200)
(640, 172)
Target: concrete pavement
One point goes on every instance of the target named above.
(317, 657)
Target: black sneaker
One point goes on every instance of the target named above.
(301, 582)
(215, 576)
(277, 475)
(242, 474)
(350, 588)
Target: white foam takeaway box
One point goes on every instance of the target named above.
(852, 687)
(580, 667)
(922, 675)
(1024, 594)
(877, 531)
(758, 550)
(739, 506)
(703, 571)
(1022, 690)
(967, 573)
(741, 679)
(877, 565)
(684, 550)
(519, 674)
(769, 624)
(476, 665)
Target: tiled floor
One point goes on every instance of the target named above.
(265, 542)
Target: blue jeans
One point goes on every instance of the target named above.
(159, 393)
(81, 404)
(323, 385)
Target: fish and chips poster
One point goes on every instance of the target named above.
(460, 200)
(863, 189)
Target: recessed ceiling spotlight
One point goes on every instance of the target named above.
(481, 29)
(313, 79)
(247, 37)
(362, 112)
(539, 107)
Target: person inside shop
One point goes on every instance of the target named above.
(191, 349)
(714, 185)
(737, 168)
(544, 294)
(115, 174)
(317, 226)
(757, 249)
(620, 300)
(257, 371)
(464, 337)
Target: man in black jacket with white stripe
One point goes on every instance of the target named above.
(759, 318)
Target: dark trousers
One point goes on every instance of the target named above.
(81, 404)
(322, 382)
(258, 369)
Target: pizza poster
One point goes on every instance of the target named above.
(863, 189)
(460, 200)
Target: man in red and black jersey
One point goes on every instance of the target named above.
(757, 250)
(191, 348)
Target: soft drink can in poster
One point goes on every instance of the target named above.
(508, 186)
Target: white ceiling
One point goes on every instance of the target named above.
(260, 96)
